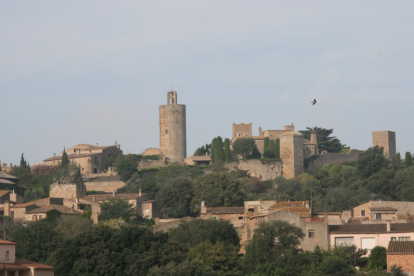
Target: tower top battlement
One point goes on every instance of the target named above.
(171, 97)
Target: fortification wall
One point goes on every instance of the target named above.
(151, 164)
(241, 130)
(291, 153)
(153, 151)
(68, 191)
(256, 168)
(106, 187)
(332, 158)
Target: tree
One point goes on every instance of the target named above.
(114, 153)
(220, 256)
(127, 165)
(218, 189)
(23, 173)
(117, 208)
(175, 198)
(334, 266)
(65, 159)
(396, 161)
(255, 153)
(325, 140)
(277, 148)
(187, 268)
(371, 161)
(71, 226)
(227, 151)
(378, 258)
(196, 231)
(266, 153)
(218, 149)
(270, 241)
(213, 149)
(408, 159)
(243, 146)
(271, 149)
(36, 241)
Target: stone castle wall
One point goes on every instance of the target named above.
(385, 139)
(241, 130)
(291, 153)
(173, 143)
(68, 191)
(257, 169)
(332, 158)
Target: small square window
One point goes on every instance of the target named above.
(7, 255)
(311, 234)
(362, 213)
(377, 216)
(240, 218)
(404, 239)
(12, 214)
(393, 239)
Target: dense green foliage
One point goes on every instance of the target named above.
(371, 161)
(408, 159)
(378, 257)
(117, 208)
(127, 165)
(243, 146)
(324, 138)
(227, 151)
(201, 151)
(114, 153)
(175, 198)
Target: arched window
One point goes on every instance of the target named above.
(166, 131)
(95, 170)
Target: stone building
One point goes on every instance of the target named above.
(379, 211)
(91, 159)
(385, 139)
(7, 179)
(5, 168)
(173, 137)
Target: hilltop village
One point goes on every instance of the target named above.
(363, 198)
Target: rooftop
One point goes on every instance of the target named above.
(104, 197)
(32, 264)
(225, 210)
(400, 247)
(7, 176)
(371, 228)
(3, 192)
(6, 242)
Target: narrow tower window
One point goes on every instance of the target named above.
(166, 131)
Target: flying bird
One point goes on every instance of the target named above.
(313, 102)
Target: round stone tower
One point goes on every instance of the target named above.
(173, 139)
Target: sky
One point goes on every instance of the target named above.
(96, 71)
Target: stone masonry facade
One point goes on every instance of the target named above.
(385, 139)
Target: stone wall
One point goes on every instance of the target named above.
(385, 139)
(68, 191)
(170, 224)
(143, 163)
(406, 261)
(153, 151)
(241, 130)
(106, 187)
(332, 158)
(256, 168)
(291, 153)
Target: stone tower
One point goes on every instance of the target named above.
(173, 138)
(291, 153)
(385, 139)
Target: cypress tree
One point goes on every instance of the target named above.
(277, 148)
(212, 150)
(272, 148)
(219, 149)
(227, 152)
(408, 159)
(23, 163)
(266, 148)
(65, 159)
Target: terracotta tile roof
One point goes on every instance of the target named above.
(400, 247)
(104, 197)
(6, 242)
(302, 211)
(371, 228)
(4, 192)
(225, 210)
(72, 156)
(5, 181)
(61, 208)
(7, 176)
(22, 205)
(32, 264)
(329, 213)
(15, 266)
(148, 201)
(290, 204)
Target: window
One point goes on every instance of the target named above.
(74, 150)
(393, 239)
(367, 243)
(403, 238)
(344, 240)
(377, 216)
(240, 218)
(7, 255)
(362, 213)
(12, 214)
(311, 233)
(34, 217)
(40, 216)
(166, 131)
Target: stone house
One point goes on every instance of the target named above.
(367, 236)
(21, 267)
(91, 159)
(150, 209)
(401, 253)
(383, 211)
(5, 168)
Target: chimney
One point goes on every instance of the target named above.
(97, 144)
(94, 198)
(203, 207)
(7, 209)
(140, 193)
(388, 226)
(54, 155)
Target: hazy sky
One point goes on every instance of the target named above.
(96, 71)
